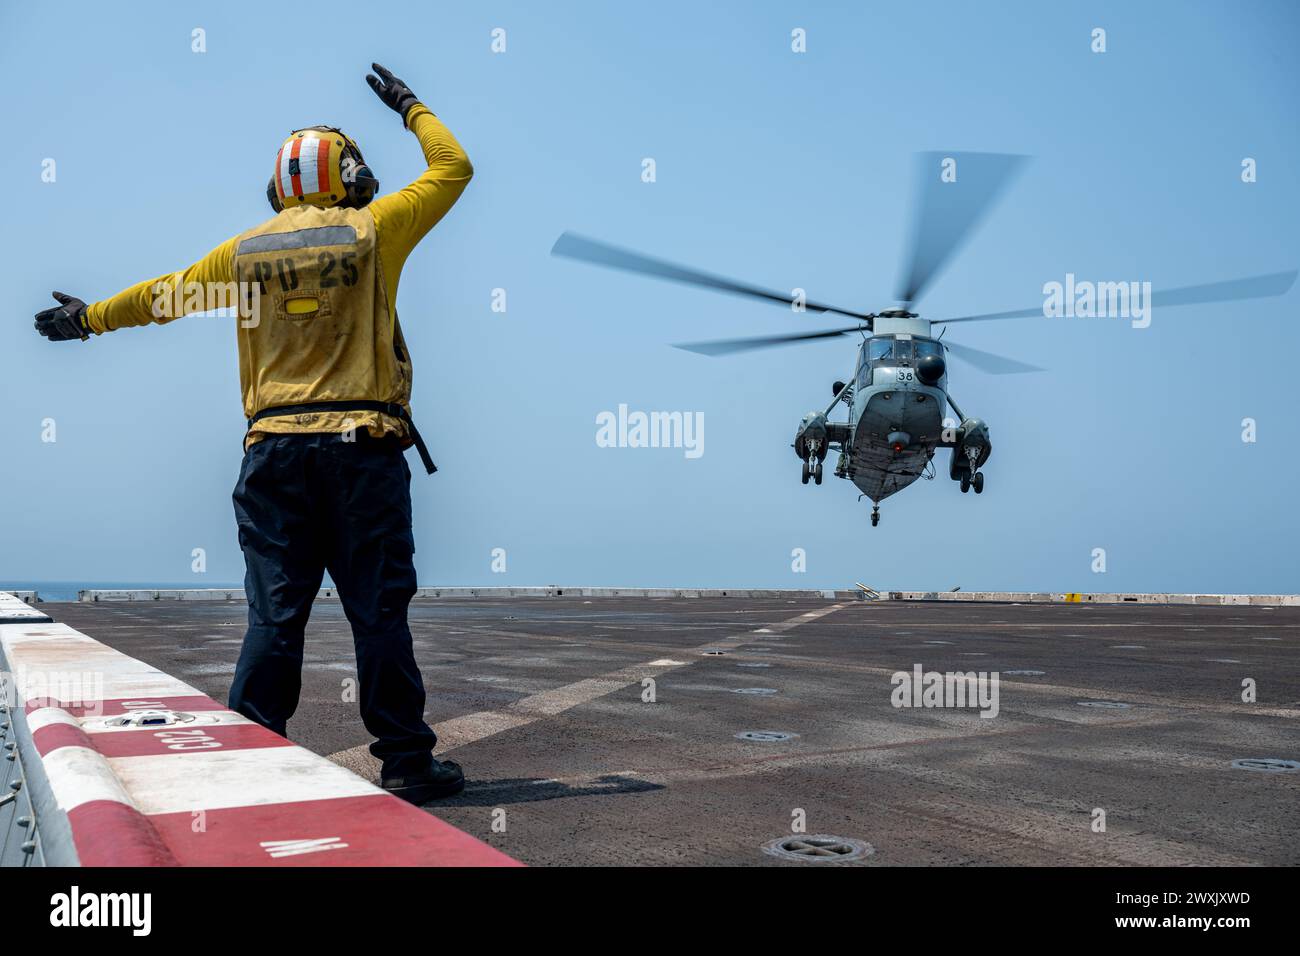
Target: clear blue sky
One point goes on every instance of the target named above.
(790, 170)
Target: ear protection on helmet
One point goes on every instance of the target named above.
(320, 170)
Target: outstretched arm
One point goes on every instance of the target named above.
(208, 284)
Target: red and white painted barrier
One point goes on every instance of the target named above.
(136, 768)
(15, 610)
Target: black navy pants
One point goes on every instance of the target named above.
(304, 504)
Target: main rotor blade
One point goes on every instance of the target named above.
(950, 202)
(1230, 290)
(989, 362)
(727, 346)
(573, 246)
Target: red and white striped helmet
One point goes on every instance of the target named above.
(320, 166)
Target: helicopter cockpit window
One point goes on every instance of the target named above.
(879, 350)
(924, 348)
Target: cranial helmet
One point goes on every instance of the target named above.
(320, 166)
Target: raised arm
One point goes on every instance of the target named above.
(403, 218)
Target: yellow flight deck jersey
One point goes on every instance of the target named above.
(326, 328)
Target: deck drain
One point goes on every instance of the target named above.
(765, 736)
(757, 691)
(1104, 704)
(1024, 673)
(818, 849)
(714, 653)
(754, 664)
(1267, 764)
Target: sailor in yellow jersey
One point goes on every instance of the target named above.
(326, 381)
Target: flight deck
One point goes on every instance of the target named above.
(769, 731)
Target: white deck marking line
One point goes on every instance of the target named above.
(962, 625)
(469, 728)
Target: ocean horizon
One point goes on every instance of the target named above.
(56, 591)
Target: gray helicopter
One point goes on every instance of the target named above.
(898, 396)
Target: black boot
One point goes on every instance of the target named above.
(443, 779)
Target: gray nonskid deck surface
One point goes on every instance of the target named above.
(541, 702)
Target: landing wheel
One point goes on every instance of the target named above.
(965, 484)
(977, 482)
(806, 473)
(817, 473)
(875, 516)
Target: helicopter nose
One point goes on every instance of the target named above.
(930, 369)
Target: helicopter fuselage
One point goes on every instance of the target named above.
(897, 425)
(897, 402)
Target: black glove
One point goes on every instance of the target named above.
(397, 96)
(68, 321)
